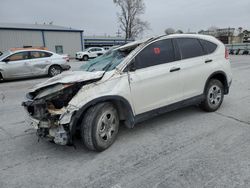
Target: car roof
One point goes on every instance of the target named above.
(147, 40)
(199, 36)
(29, 50)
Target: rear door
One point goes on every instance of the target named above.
(93, 53)
(196, 66)
(39, 62)
(156, 81)
(17, 65)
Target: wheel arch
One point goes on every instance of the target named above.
(122, 105)
(221, 76)
(51, 66)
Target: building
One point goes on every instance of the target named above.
(93, 41)
(223, 35)
(59, 39)
(246, 36)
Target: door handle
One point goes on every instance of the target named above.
(175, 69)
(208, 61)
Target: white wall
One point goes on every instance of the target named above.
(18, 38)
(71, 41)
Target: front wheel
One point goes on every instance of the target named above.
(100, 126)
(85, 58)
(214, 95)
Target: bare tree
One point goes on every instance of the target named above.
(129, 18)
(169, 31)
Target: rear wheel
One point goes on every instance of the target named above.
(1, 78)
(54, 70)
(214, 95)
(100, 126)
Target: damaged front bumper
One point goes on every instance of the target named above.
(50, 123)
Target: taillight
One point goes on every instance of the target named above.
(226, 53)
(66, 58)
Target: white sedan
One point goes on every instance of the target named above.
(24, 63)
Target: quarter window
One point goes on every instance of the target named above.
(189, 47)
(209, 47)
(19, 56)
(37, 54)
(157, 53)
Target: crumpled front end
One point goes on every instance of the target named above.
(51, 116)
(48, 109)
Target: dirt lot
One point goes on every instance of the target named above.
(184, 148)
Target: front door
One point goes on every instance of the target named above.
(17, 65)
(156, 81)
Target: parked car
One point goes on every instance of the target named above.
(107, 48)
(24, 63)
(231, 52)
(90, 53)
(245, 52)
(132, 83)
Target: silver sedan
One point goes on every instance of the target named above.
(31, 62)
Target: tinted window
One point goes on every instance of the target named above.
(156, 53)
(37, 54)
(19, 56)
(189, 47)
(209, 47)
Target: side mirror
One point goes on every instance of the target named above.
(6, 60)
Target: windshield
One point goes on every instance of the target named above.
(5, 54)
(106, 62)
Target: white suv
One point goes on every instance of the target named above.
(90, 53)
(128, 85)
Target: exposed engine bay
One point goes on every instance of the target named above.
(46, 106)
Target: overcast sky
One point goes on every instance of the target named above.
(99, 17)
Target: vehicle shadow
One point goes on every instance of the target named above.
(23, 79)
(140, 130)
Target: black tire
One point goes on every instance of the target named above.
(214, 95)
(85, 58)
(1, 78)
(94, 128)
(54, 70)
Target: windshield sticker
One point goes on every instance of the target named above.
(157, 51)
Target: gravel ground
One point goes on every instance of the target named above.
(184, 148)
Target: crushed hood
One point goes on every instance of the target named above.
(69, 77)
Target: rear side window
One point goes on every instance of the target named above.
(209, 47)
(38, 54)
(189, 47)
(159, 52)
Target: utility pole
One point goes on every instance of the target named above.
(118, 33)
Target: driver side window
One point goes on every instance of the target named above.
(159, 52)
(18, 56)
